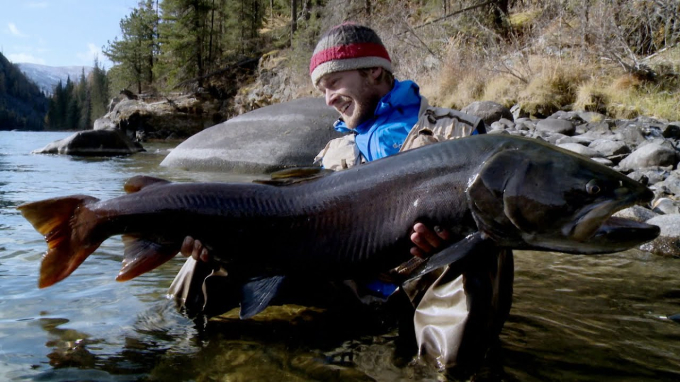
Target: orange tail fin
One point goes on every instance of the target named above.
(67, 227)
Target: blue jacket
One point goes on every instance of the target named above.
(384, 133)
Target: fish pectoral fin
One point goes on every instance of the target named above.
(256, 294)
(137, 183)
(144, 254)
(452, 254)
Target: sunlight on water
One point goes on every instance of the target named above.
(574, 317)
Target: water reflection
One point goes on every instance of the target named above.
(574, 317)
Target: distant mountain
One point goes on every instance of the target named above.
(22, 105)
(47, 77)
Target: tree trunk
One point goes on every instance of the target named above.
(293, 19)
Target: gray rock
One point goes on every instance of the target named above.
(93, 143)
(603, 161)
(489, 111)
(525, 124)
(668, 242)
(571, 116)
(181, 115)
(672, 184)
(288, 134)
(657, 153)
(671, 130)
(602, 127)
(580, 149)
(629, 133)
(552, 125)
(591, 116)
(665, 206)
(609, 148)
(637, 213)
(518, 112)
(650, 175)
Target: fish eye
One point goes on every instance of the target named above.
(593, 188)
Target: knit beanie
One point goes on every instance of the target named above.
(348, 46)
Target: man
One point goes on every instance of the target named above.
(458, 313)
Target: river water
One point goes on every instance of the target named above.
(574, 318)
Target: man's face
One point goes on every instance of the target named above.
(353, 95)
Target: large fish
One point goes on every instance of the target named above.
(515, 192)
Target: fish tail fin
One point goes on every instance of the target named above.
(67, 224)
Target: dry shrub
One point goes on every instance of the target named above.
(503, 88)
(591, 97)
(460, 79)
(553, 85)
(626, 82)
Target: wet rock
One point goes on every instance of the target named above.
(668, 242)
(288, 134)
(93, 143)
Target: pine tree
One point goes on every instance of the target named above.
(99, 91)
(135, 52)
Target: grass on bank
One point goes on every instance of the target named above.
(542, 85)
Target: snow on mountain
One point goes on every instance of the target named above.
(47, 77)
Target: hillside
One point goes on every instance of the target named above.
(22, 104)
(47, 77)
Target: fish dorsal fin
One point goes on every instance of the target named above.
(256, 294)
(294, 175)
(139, 182)
(144, 254)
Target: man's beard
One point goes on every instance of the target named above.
(365, 103)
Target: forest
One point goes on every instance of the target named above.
(22, 104)
(617, 57)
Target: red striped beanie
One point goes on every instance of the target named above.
(348, 46)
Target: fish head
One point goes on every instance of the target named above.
(539, 196)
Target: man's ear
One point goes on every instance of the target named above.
(376, 72)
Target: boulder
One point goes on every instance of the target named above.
(179, 115)
(553, 125)
(489, 111)
(93, 143)
(288, 134)
(656, 153)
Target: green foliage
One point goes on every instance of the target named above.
(74, 106)
(135, 53)
(22, 105)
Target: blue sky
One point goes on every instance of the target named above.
(60, 32)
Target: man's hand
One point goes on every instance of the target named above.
(195, 249)
(427, 240)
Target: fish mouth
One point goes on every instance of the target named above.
(604, 233)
